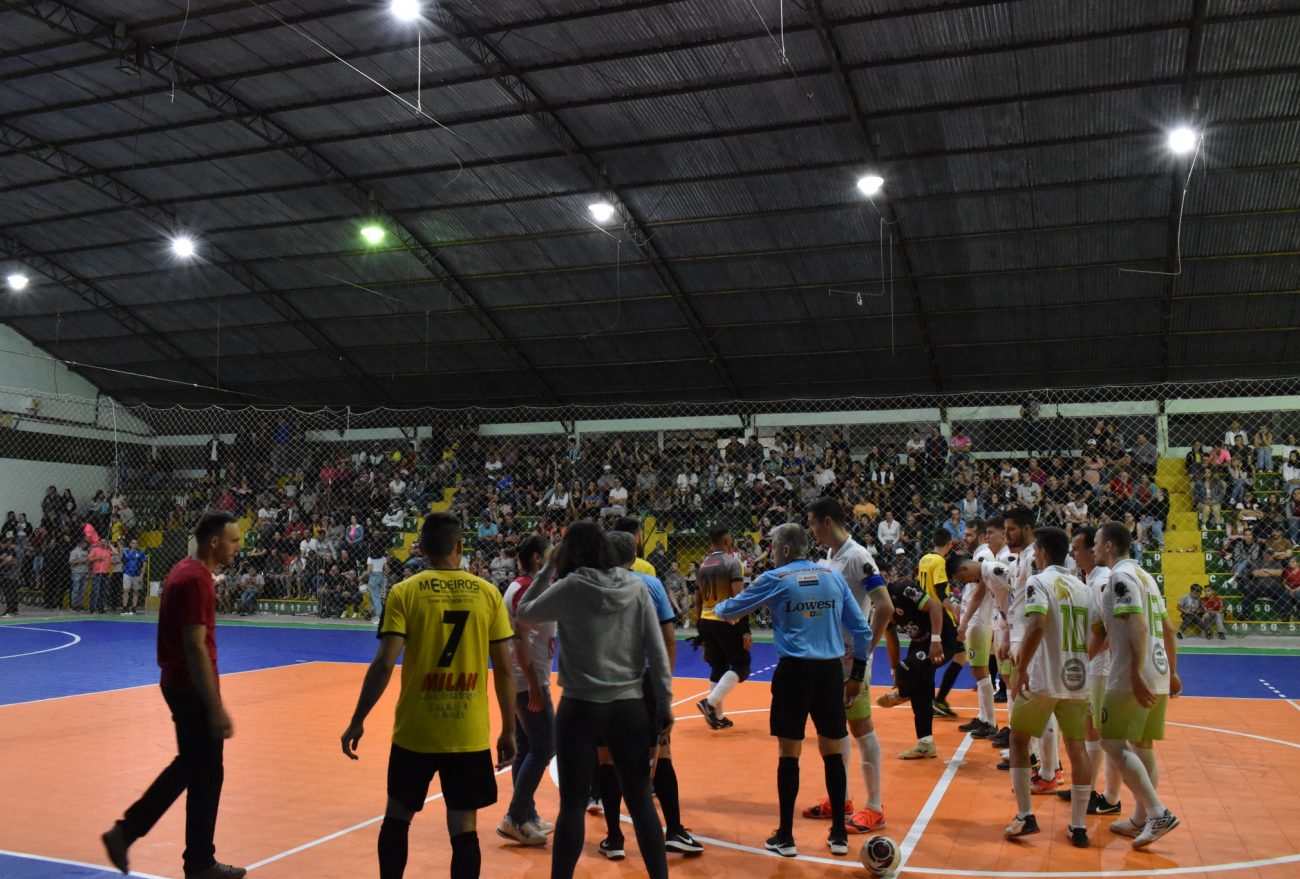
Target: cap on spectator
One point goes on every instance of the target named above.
(609, 467)
(900, 551)
(1091, 441)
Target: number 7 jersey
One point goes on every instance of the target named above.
(1060, 666)
(448, 619)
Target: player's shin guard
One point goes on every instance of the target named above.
(393, 835)
(787, 789)
(466, 859)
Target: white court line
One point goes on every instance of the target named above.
(296, 664)
(1276, 692)
(68, 863)
(76, 639)
(932, 804)
(336, 834)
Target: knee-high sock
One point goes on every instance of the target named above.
(787, 789)
(466, 859)
(1135, 778)
(1114, 782)
(986, 714)
(1095, 754)
(1050, 755)
(611, 796)
(846, 758)
(1079, 796)
(835, 780)
(725, 685)
(950, 675)
(665, 784)
(1148, 758)
(393, 835)
(869, 749)
(1020, 783)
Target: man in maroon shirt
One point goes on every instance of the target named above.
(187, 655)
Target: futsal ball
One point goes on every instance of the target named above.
(880, 856)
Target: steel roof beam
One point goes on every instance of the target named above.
(470, 43)
(161, 65)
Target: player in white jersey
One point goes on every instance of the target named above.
(1096, 577)
(826, 521)
(1052, 680)
(986, 582)
(1143, 676)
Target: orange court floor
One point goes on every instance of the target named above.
(294, 806)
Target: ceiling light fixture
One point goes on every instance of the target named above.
(373, 234)
(18, 281)
(1183, 140)
(183, 246)
(405, 10)
(603, 211)
(870, 184)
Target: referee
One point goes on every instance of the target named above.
(809, 604)
(448, 623)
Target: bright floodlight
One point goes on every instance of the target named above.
(405, 10)
(18, 281)
(870, 184)
(1182, 140)
(603, 211)
(372, 234)
(183, 246)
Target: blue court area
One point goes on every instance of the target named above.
(46, 660)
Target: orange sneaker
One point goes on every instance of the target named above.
(1045, 785)
(866, 820)
(890, 699)
(823, 809)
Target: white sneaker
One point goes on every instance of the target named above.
(524, 834)
(1126, 827)
(1155, 828)
(546, 828)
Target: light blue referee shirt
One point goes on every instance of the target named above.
(809, 604)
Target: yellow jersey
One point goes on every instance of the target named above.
(641, 566)
(448, 619)
(714, 579)
(931, 573)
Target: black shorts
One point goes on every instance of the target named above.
(804, 687)
(915, 670)
(724, 649)
(468, 780)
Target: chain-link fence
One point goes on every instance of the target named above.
(330, 499)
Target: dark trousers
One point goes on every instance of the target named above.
(626, 728)
(915, 679)
(9, 586)
(197, 771)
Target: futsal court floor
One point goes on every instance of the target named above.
(83, 730)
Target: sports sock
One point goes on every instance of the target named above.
(835, 781)
(1020, 783)
(1079, 796)
(846, 757)
(1096, 757)
(985, 686)
(1050, 755)
(869, 748)
(949, 679)
(665, 784)
(787, 788)
(1114, 782)
(1135, 779)
(1148, 758)
(466, 859)
(611, 796)
(725, 685)
(393, 835)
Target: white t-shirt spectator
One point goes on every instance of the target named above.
(397, 487)
(266, 514)
(825, 478)
(376, 564)
(1230, 437)
(311, 544)
(618, 497)
(889, 532)
(1028, 493)
(560, 501)
(394, 518)
(916, 447)
(493, 465)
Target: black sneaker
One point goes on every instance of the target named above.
(219, 871)
(1002, 738)
(612, 849)
(984, 731)
(1103, 807)
(970, 726)
(1000, 697)
(1078, 836)
(782, 845)
(725, 723)
(940, 709)
(710, 714)
(1021, 825)
(1066, 794)
(1180, 637)
(116, 845)
(839, 845)
(683, 843)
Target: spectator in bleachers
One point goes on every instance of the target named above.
(1145, 456)
(1264, 448)
(1208, 494)
(1238, 476)
(1192, 611)
(1028, 492)
(960, 445)
(1289, 610)
(1233, 434)
(889, 533)
(1293, 516)
(101, 567)
(1291, 468)
(1212, 605)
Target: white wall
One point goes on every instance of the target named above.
(23, 484)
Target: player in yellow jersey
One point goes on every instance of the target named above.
(632, 525)
(932, 575)
(448, 623)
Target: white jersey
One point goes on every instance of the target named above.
(1025, 568)
(538, 641)
(852, 562)
(1060, 665)
(1130, 591)
(1098, 577)
(994, 585)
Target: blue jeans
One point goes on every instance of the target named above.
(99, 596)
(377, 593)
(534, 748)
(1157, 529)
(1264, 458)
(77, 594)
(248, 601)
(1238, 490)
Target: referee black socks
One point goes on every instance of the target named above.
(787, 789)
(836, 782)
(392, 848)
(466, 859)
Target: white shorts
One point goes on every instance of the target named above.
(133, 583)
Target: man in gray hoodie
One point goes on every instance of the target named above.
(608, 634)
